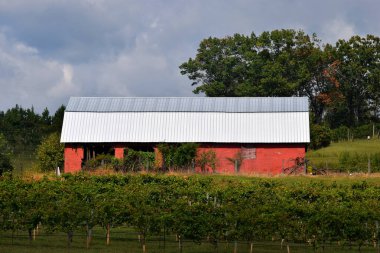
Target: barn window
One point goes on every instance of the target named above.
(248, 152)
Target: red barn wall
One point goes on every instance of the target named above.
(119, 151)
(73, 158)
(270, 158)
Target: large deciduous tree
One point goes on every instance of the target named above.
(277, 63)
(341, 81)
(357, 75)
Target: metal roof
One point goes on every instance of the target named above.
(188, 104)
(209, 127)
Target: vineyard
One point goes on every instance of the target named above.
(214, 210)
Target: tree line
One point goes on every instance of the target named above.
(197, 208)
(25, 128)
(341, 80)
(22, 130)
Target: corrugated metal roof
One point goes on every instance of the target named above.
(188, 104)
(216, 127)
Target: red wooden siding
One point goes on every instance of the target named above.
(267, 159)
(270, 158)
(73, 158)
(119, 152)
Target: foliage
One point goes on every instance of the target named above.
(167, 152)
(341, 80)
(25, 128)
(264, 65)
(357, 75)
(133, 161)
(344, 133)
(320, 136)
(236, 160)
(100, 161)
(356, 162)
(5, 156)
(178, 156)
(50, 153)
(198, 207)
(348, 156)
(184, 155)
(207, 160)
(137, 160)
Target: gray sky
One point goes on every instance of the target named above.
(53, 49)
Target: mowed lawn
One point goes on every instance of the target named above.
(329, 156)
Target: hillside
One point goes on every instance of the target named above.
(349, 156)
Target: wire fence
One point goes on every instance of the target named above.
(129, 241)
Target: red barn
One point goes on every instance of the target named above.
(270, 134)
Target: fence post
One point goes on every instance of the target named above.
(369, 165)
(305, 166)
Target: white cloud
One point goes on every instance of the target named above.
(337, 29)
(22, 48)
(65, 87)
(28, 80)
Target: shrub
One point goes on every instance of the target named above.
(100, 161)
(184, 155)
(340, 134)
(320, 136)
(50, 153)
(167, 151)
(177, 156)
(206, 160)
(137, 160)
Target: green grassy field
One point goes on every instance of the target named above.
(126, 241)
(329, 156)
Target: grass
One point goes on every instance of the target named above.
(329, 156)
(24, 162)
(125, 240)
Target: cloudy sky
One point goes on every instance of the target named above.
(53, 49)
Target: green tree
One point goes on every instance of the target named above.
(320, 136)
(265, 65)
(357, 75)
(5, 156)
(57, 119)
(50, 153)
